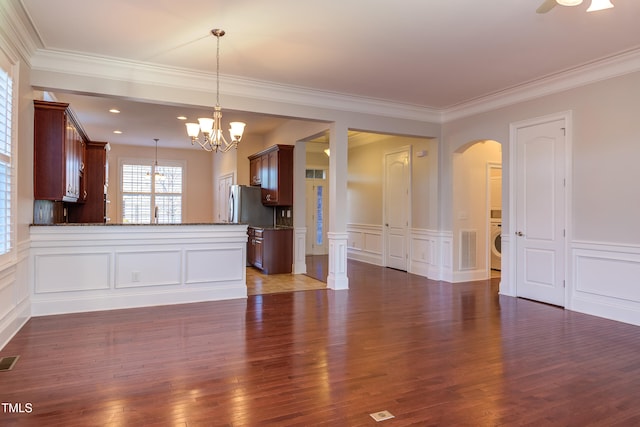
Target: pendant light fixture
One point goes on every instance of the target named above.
(156, 174)
(211, 128)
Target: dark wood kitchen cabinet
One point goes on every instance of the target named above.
(93, 210)
(275, 174)
(270, 249)
(255, 170)
(58, 153)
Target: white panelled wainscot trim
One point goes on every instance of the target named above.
(299, 250)
(430, 254)
(365, 243)
(77, 268)
(429, 250)
(15, 307)
(604, 280)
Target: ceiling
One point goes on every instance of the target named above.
(436, 54)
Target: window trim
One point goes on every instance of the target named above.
(11, 66)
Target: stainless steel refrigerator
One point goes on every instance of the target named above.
(245, 207)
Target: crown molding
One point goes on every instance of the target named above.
(71, 63)
(16, 27)
(592, 72)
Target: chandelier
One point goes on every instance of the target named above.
(211, 128)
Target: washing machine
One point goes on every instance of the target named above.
(496, 245)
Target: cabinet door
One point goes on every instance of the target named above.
(255, 170)
(258, 252)
(270, 178)
(70, 160)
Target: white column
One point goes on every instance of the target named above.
(338, 145)
(299, 208)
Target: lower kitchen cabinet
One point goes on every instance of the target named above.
(270, 249)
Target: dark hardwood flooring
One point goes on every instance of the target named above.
(431, 353)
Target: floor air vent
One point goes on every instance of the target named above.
(7, 363)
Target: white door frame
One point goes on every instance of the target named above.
(221, 201)
(489, 250)
(385, 230)
(508, 283)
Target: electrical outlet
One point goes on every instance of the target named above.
(135, 276)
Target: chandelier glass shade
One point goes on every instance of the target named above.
(569, 2)
(599, 5)
(211, 127)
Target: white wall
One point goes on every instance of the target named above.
(15, 305)
(603, 237)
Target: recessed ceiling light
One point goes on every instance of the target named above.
(181, 118)
(114, 111)
(117, 132)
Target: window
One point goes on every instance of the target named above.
(6, 156)
(151, 194)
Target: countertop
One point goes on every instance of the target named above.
(112, 224)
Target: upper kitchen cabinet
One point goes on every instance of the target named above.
(255, 169)
(58, 154)
(94, 208)
(275, 174)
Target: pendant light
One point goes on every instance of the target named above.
(156, 174)
(211, 128)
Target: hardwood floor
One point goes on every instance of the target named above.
(431, 353)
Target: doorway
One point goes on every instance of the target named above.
(539, 201)
(317, 211)
(397, 207)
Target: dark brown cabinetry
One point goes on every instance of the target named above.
(95, 180)
(58, 153)
(274, 167)
(270, 249)
(255, 170)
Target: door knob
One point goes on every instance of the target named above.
(519, 233)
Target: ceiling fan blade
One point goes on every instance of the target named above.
(546, 6)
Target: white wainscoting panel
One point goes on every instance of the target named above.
(148, 268)
(79, 268)
(71, 272)
(299, 250)
(605, 281)
(426, 248)
(15, 305)
(446, 256)
(213, 265)
(337, 278)
(364, 243)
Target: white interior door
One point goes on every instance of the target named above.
(222, 198)
(540, 212)
(397, 207)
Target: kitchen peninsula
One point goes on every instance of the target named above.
(89, 267)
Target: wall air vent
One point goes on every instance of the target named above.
(468, 251)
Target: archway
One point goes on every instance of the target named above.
(477, 210)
